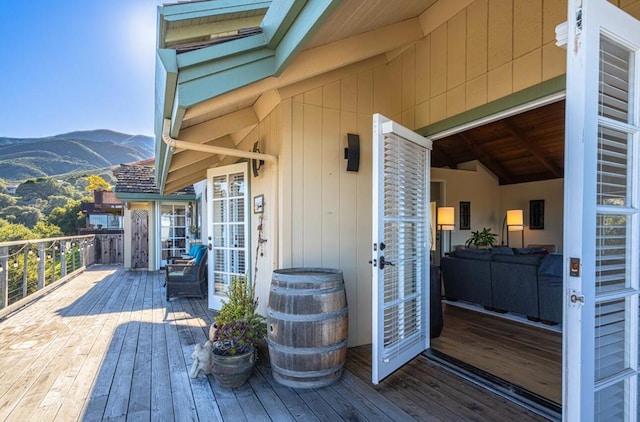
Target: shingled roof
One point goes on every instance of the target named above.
(140, 179)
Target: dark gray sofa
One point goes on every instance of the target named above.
(506, 280)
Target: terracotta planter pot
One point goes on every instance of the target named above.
(232, 371)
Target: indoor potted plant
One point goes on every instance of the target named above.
(482, 239)
(237, 330)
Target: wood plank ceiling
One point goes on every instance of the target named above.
(522, 148)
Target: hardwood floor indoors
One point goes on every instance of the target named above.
(526, 357)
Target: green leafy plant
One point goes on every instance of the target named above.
(482, 239)
(238, 326)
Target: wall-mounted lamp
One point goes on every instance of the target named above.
(352, 152)
(514, 222)
(446, 222)
(256, 165)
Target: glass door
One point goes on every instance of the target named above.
(173, 231)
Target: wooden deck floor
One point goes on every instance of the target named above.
(107, 346)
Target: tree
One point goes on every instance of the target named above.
(18, 214)
(69, 218)
(54, 202)
(97, 183)
(7, 200)
(44, 230)
(43, 188)
(10, 232)
(3, 186)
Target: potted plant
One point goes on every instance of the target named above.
(482, 239)
(237, 330)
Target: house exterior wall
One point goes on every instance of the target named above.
(487, 51)
(316, 214)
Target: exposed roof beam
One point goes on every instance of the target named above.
(186, 181)
(486, 159)
(220, 126)
(444, 157)
(528, 144)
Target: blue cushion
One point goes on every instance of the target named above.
(194, 249)
(202, 252)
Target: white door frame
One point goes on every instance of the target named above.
(600, 335)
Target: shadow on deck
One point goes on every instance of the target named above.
(108, 346)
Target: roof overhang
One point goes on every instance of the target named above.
(216, 95)
(187, 79)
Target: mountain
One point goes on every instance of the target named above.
(70, 152)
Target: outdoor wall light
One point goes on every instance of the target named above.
(352, 152)
(446, 222)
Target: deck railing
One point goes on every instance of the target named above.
(29, 268)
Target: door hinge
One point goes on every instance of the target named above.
(576, 298)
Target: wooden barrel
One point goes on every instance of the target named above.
(307, 326)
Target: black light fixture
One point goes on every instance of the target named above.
(256, 165)
(352, 152)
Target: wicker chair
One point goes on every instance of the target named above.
(187, 278)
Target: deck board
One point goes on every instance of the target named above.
(107, 346)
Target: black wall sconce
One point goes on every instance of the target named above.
(256, 164)
(352, 152)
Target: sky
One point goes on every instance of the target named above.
(68, 65)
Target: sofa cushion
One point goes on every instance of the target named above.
(502, 250)
(531, 251)
(519, 259)
(478, 254)
(551, 265)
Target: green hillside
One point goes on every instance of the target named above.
(77, 151)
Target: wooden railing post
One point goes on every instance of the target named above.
(4, 279)
(42, 259)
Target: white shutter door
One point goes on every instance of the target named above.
(601, 213)
(401, 246)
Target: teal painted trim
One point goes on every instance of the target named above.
(166, 78)
(168, 59)
(194, 92)
(306, 24)
(536, 92)
(279, 18)
(203, 9)
(221, 51)
(222, 65)
(134, 197)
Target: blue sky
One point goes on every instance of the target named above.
(76, 65)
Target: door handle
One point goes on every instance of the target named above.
(382, 263)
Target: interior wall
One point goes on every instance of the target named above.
(518, 197)
(477, 185)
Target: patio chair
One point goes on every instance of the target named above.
(187, 278)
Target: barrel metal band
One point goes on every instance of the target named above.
(307, 374)
(306, 350)
(307, 317)
(306, 292)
